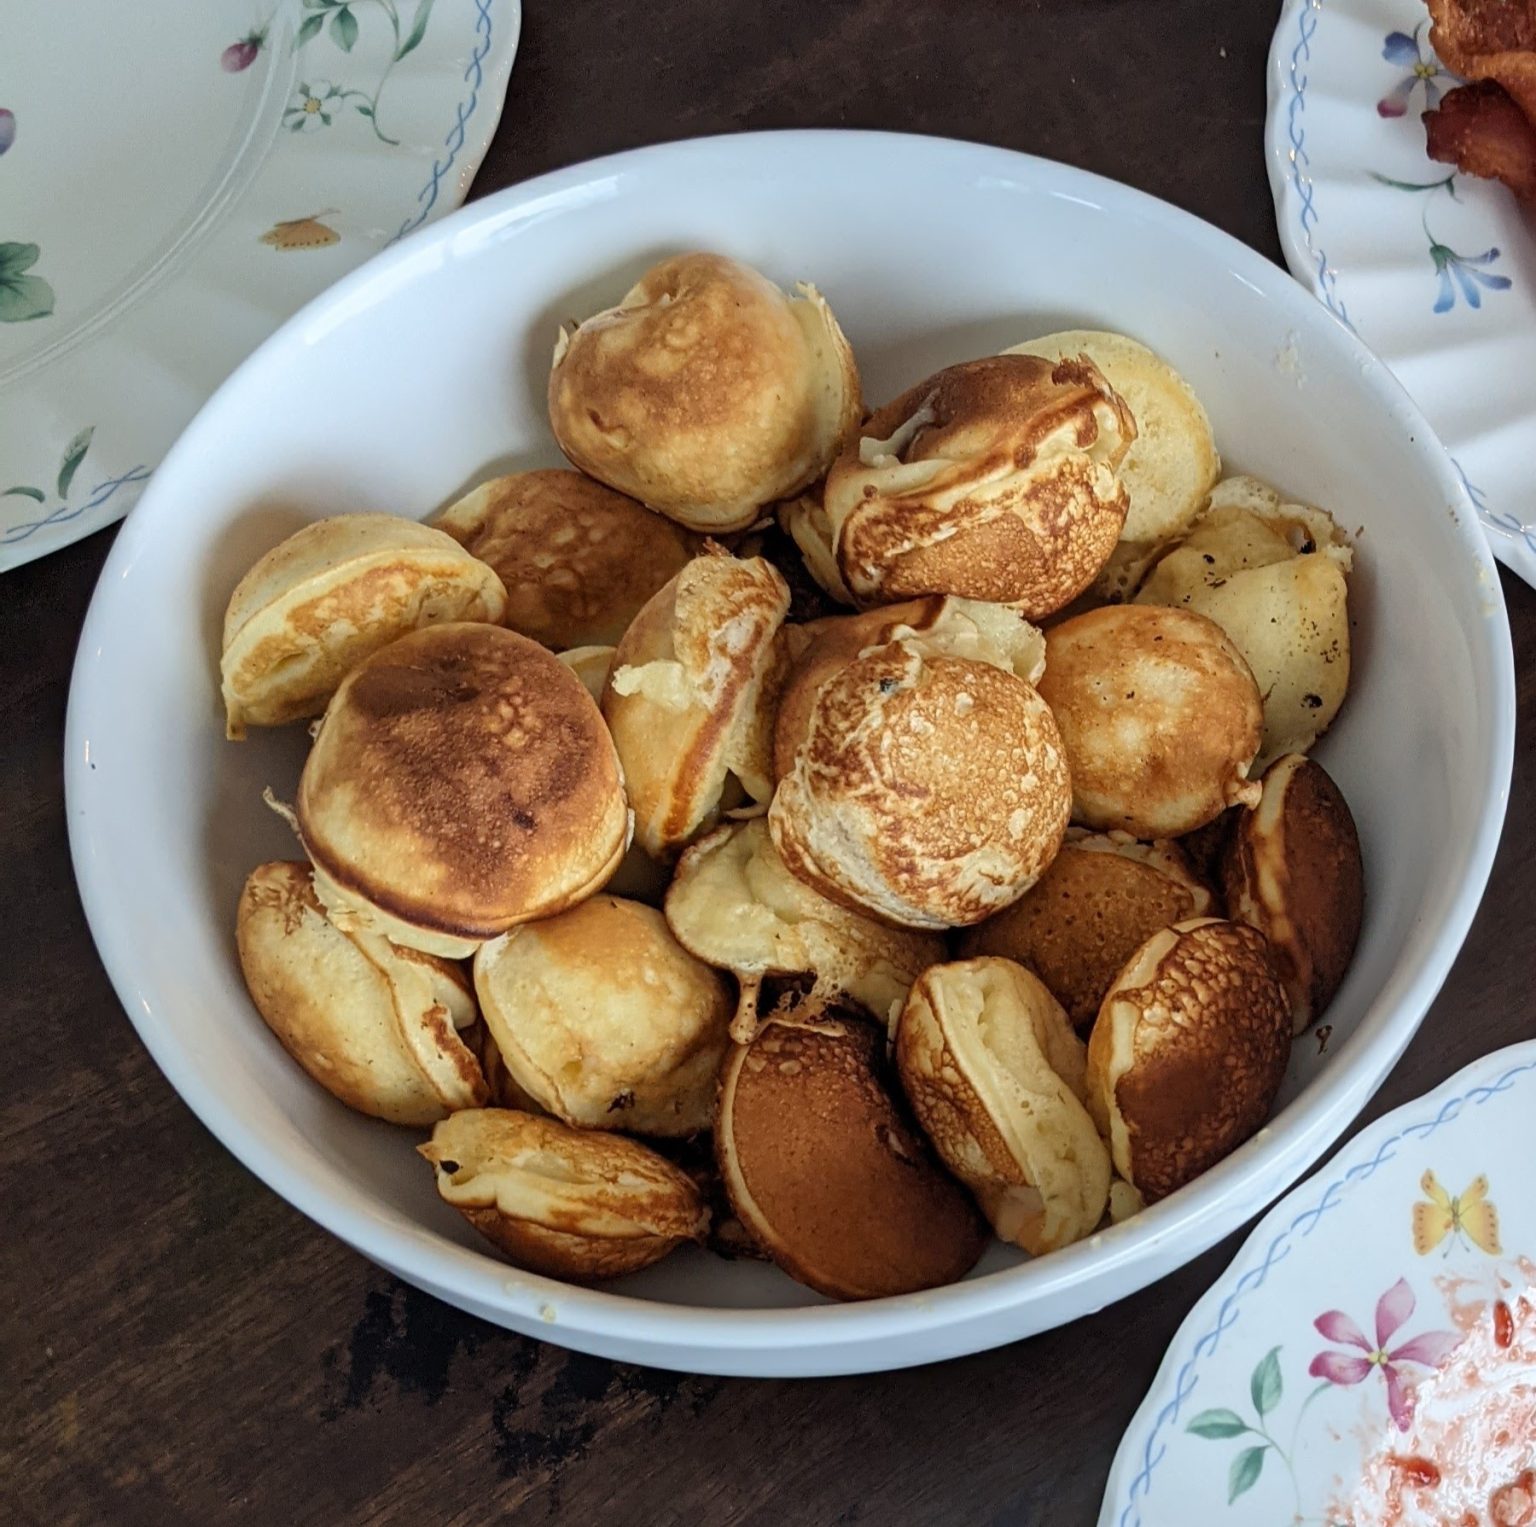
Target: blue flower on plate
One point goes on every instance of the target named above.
(1402, 49)
(1469, 271)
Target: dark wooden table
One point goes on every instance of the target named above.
(179, 1346)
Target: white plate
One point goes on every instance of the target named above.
(1435, 271)
(930, 252)
(1343, 1241)
(175, 181)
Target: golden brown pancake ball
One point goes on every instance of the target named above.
(827, 1173)
(1293, 871)
(1103, 896)
(1188, 1052)
(996, 479)
(1159, 715)
(1172, 462)
(689, 697)
(578, 560)
(568, 1203)
(707, 393)
(938, 626)
(462, 781)
(605, 1020)
(931, 792)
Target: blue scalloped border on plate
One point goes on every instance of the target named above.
(1302, 1224)
(1301, 182)
(426, 198)
(1324, 276)
(124, 489)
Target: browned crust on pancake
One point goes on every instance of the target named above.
(462, 781)
(1082, 920)
(1293, 870)
(827, 1173)
(1210, 1042)
(578, 559)
(930, 792)
(1036, 541)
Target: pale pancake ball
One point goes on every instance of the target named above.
(376, 1025)
(605, 1020)
(1159, 716)
(330, 595)
(734, 904)
(564, 1202)
(1274, 576)
(995, 1075)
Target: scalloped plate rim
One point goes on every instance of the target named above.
(1497, 1064)
(447, 184)
(1310, 265)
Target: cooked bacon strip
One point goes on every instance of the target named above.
(1480, 130)
(1489, 40)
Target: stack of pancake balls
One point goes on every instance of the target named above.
(821, 835)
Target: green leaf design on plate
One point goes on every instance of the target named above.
(34, 493)
(311, 26)
(1217, 1423)
(344, 29)
(364, 111)
(1265, 1385)
(418, 30)
(74, 454)
(22, 296)
(1245, 1471)
(1448, 181)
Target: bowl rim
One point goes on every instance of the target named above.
(1079, 1279)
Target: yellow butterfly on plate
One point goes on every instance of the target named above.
(302, 233)
(1469, 1214)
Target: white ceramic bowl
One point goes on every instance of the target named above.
(424, 372)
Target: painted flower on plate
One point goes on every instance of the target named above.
(1470, 273)
(1402, 49)
(313, 106)
(1393, 1309)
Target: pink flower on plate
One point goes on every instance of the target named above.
(1393, 1309)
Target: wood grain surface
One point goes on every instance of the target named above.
(179, 1346)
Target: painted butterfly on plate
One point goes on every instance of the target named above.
(302, 233)
(1468, 1214)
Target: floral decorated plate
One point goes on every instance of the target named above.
(1435, 271)
(1370, 1355)
(178, 179)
